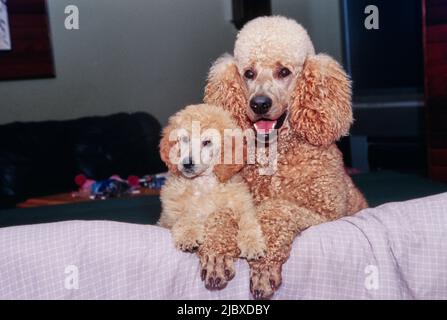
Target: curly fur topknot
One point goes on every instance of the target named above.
(272, 39)
(209, 116)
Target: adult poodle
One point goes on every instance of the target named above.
(204, 198)
(275, 81)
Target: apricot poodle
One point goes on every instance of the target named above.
(205, 203)
(276, 83)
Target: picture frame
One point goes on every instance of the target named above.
(5, 37)
(30, 54)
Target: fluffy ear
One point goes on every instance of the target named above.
(226, 89)
(224, 172)
(229, 167)
(165, 148)
(321, 110)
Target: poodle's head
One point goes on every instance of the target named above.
(276, 81)
(195, 143)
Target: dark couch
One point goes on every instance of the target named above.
(42, 158)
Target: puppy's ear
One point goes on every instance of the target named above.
(321, 110)
(229, 167)
(165, 149)
(224, 172)
(225, 88)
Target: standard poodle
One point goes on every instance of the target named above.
(275, 82)
(205, 203)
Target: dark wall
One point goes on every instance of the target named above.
(390, 58)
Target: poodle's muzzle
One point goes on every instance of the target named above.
(191, 167)
(264, 115)
(188, 165)
(261, 104)
(268, 94)
(188, 168)
(265, 126)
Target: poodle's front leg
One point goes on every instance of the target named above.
(281, 221)
(188, 233)
(219, 249)
(250, 239)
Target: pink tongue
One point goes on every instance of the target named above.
(264, 126)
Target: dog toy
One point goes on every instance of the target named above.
(113, 187)
(153, 181)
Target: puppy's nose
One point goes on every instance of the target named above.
(187, 163)
(260, 104)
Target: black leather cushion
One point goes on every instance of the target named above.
(42, 158)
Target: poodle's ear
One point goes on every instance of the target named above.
(229, 167)
(225, 88)
(224, 172)
(166, 147)
(321, 110)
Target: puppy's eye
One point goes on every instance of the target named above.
(206, 143)
(284, 72)
(249, 74)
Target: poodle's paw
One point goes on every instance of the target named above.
(252, 247)
(188, 240)
(217, 270)
(265, 279)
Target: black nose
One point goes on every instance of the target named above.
(260, 104)
(187, 163)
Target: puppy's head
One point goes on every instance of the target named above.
(275, 81)
(194, 143)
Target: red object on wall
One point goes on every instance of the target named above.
(435, 59)
(31, 55)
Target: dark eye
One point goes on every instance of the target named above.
(249, 74)
(206, 143)
(284, 72)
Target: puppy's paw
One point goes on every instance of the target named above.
(188, 239)
(217, 270)
(265, 279)
(252, 247)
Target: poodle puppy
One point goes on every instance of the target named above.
(275, 83)
(204, 196)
